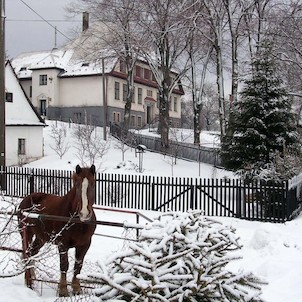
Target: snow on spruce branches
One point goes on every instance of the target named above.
(179, 257)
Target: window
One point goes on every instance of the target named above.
(77, 116)
(175, 104)
(170, 104)
(139, 121)
(138, 71)
(21, 146)
(125, 92)
(116, 90)
(116, 117)
(147, 74)
(139, 95)
(149, 93)
(30, 91)
(9, 96)
(43, 79)
(132, 121)
(133, 97)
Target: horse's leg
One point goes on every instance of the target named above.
(26, 248)
(33, 250)
(80, 253)
(30, 248)
(62, 288)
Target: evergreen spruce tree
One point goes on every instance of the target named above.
(264, 124)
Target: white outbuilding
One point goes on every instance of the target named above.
(23, 124)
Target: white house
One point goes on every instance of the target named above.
(23, 125)
(61, 84)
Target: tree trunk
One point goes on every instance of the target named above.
(130, 91)
(220, 88)
(164, 119)
(129, 99)
(234, 93)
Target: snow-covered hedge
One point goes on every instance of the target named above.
(180, 257)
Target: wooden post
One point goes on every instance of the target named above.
(2, 88)
(27, 274)
(31, 182)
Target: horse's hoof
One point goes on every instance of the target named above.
(76, 287)
(77, 291)
(63, 292)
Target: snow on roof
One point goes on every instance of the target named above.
(26, 62)
(13, 122)
(19, 111)
(81, 68)
(66, 59)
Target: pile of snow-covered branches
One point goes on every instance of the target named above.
(179, 257)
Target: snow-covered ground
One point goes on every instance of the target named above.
(272, 252)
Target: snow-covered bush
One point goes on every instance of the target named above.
(180, 257)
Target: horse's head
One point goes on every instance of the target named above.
(84, 183)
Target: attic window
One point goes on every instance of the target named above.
(23, 69)
(85, 64)
(9, 97)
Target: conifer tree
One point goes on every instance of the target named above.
(264, 124)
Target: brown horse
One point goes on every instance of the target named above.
(76, 206)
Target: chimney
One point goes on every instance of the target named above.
(85, 21)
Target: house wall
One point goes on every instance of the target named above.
(33, 136)
(49, 92)
(80, 98)
(80, 91)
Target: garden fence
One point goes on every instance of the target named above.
(261, 201)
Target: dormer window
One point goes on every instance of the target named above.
(85, 64)
(23, 69)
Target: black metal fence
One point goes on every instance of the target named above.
(176, 149)
(215, 197)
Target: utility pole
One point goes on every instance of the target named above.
(104, 101)
(2, 85)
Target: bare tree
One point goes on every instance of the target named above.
(165, 29)
(214, 16)
(113, 34)
(236, 10)
(58, 134)
(210, 112)
(124, 143)
(89, 144)
(286, 30)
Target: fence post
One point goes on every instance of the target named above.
(3, 178)
(31, 182)
(238, 198)
(285, 201)
(152, 196)
(192, 194)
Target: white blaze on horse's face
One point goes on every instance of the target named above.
(84, 213)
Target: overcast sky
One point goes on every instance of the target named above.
(26, 32)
